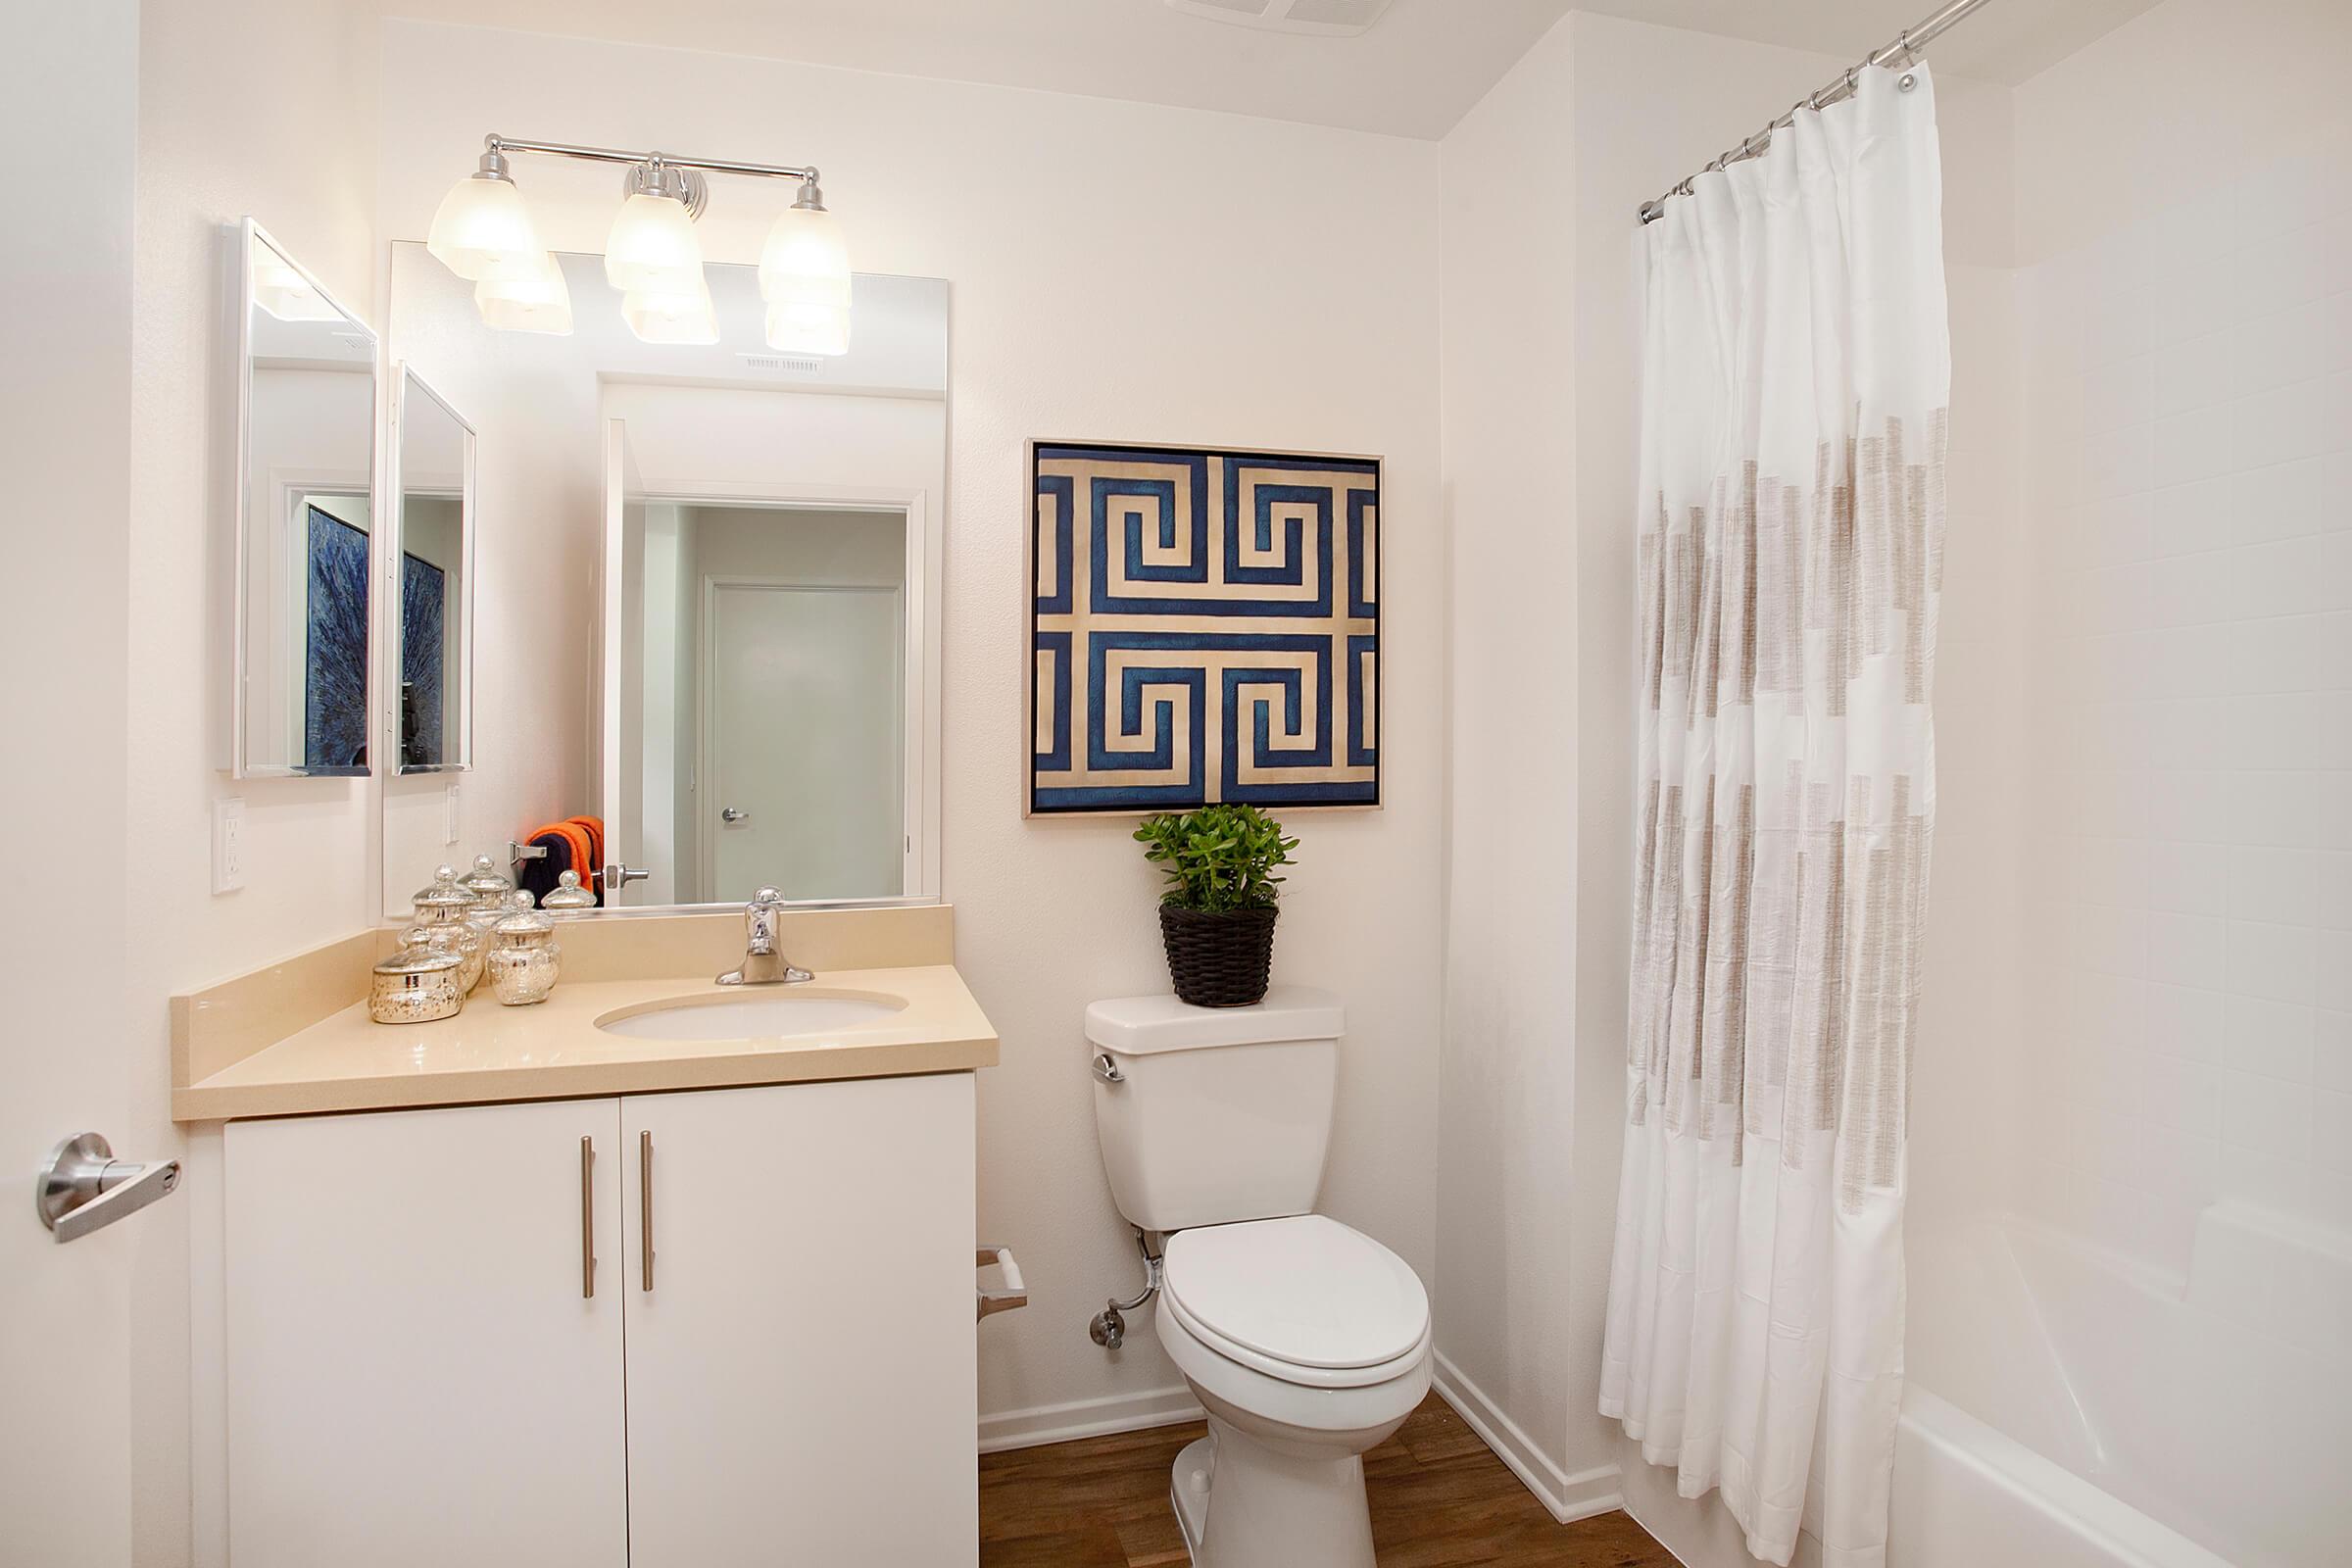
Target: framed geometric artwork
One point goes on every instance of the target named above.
(1204, 625)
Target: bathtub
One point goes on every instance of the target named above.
(2068, 1407)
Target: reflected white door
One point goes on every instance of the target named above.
(620, 662)
(804, 735)
(75, 1055)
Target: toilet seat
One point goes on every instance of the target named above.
(1302, 1298)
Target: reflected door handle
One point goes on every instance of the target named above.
(84, 1187)
(728, 814)
(617, 876)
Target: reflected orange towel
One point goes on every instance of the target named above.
(594, 827)
(578, 849)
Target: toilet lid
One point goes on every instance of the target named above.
(1305, 1289)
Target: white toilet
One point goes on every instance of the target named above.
(1307, 1342)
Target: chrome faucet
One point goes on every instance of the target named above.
(763, 964)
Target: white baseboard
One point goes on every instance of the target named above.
(1086, 1418)
(1567, 1497)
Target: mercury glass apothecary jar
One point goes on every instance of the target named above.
(443, 907)
(418, 983)
(524, 958)
(569, 897)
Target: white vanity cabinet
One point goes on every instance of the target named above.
(445, 1345)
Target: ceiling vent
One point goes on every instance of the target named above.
(1340, 19)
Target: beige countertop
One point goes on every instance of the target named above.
(554, 1049)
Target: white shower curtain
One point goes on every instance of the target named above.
(1796, 370)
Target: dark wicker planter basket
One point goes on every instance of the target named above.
(1218, 959)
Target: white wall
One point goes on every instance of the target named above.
(2186, 215)
(263, 108)
(1118, 270)
(1507, 1091)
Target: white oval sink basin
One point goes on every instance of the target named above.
(782, 1016)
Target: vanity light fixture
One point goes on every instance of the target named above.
(651, 248)
(651, 255)
(805, 278)
(540, 303)
(480, 231)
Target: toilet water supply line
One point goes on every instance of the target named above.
(1110, 1327)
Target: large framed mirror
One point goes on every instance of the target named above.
(709, 586)
(429, 583)
(304, 519)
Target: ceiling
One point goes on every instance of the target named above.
(2008, 41)
(1414, 74)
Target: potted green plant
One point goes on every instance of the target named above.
(1217, 915)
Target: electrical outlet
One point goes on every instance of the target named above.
(453, 834)
(228, 845)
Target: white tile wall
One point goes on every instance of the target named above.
(2188, 476)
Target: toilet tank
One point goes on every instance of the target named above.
(1209, 1115)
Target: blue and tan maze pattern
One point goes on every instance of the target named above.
(1204, 626)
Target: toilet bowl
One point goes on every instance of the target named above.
(1307, 1343)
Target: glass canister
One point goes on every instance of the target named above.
(524, 958)
(489, 891)
(444, 906)
(418, 983)
(569, 897)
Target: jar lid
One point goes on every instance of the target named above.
(484, 883)
(524, 926)
(419, 953)
(444, 895)
(568, 893)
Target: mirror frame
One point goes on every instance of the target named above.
(405, 379)
(235, 758)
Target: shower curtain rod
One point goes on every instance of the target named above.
(1906, 46)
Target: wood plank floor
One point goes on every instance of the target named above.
(1439, 1499)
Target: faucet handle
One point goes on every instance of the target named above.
(760, 922)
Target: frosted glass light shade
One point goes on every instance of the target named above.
(541, 303)
(682, 316)
(481, 230)
(805, 260)
(286, 293)
(651, 248)
(808, 326)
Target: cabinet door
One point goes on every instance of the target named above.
(802, 1375)
(418, 1370)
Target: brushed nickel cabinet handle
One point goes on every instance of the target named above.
(587, 1218)
(645, 1203)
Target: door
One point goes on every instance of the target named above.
(801, 1373)
(616, 784)
(424, 1339)
(804, 734)
(76, 1055)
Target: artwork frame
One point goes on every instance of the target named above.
(423, 677)
(1203, 625)
(335, 643)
